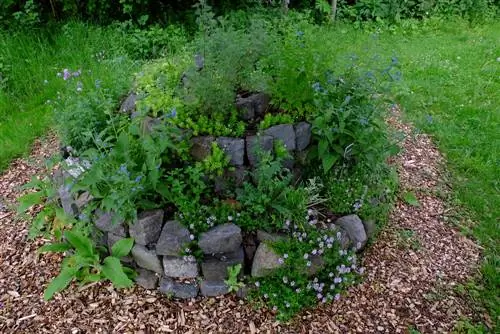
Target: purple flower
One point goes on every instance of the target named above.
(337, 280)
(281, 261)
(66, 74)
(337, 296)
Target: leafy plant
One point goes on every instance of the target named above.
(83, 263)
(232, 281)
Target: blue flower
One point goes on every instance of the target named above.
(300, 33)
(172, 113)
(317, 87)
(138, 179)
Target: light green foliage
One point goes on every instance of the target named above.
(215, 163)
(232, 281)
(83, 263)
(275, 119)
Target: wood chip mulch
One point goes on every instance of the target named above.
(411, 273)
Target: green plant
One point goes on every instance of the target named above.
(83, 263)
(232, 281)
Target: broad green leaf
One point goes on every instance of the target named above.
(82, 244)
(56, 247)
(122, 247)
(411, 199)
(328, 162)
(28, 200)
(323, 147)
(113, 270)
(59, 283)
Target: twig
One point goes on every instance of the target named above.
(26, 317)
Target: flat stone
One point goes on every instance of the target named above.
(252, 106)
(177, 289)
(214, 268)
(109, 222)
(370, 228)
(147, 259)
(67, 201)
(234, 149)
(147, 228)
(302, 135)
(256, 143)
(172, 239)
(265, 261)
(178, 267)
(213, 288)
(353, 225)
(230, 178)
(147, 279)
(283, 132)
(224, 238)
(128, 105)
(201, 147)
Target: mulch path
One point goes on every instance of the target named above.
(411, 273)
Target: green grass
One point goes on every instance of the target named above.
(27, 59)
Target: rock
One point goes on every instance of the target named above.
(249, 246)
(230, 178)
(224, 238)
(178, 290)
(201, 147)
(75, 167)
(109, 222)
(283, 132)
(252, 106)
(147, 279)
(370, 228)
(147, 228)
(243, 292)
(199, 61)
(214, 268)
(179, 267)
(344, 240)
(234, 149)
(149, 123)
(67, 202)
(213, 288)
(83, 200)
(172, 239)
(317, 263)
(302, 135)
(111, 240)
(264, 261)
(264, 236)
(128, 105)
(354, 228)
(146, 259)
(256, 143)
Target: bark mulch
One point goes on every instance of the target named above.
(411, 273)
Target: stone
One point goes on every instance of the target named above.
(256, 143)
(264, 261)
(302, 135)
(224, 238)
(234, 149)
(146, 258)
(264, 236)
(147, 228)
(317, 263)
(345, 242)
(149, 123)
(249, 246)
(201, 147)
(370, 228)
(177, 289)
(354, 228)
(243, 292)
(213, 288)
(179, 267)
(109, 222)
(214, 268)
(128, 105)
(230, 178)
(67, 202)
(84, 199)
(252, 106)
(172, 239)
(283, 132)
(147, 279)
(75, 166)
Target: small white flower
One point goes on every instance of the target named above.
(285, 256)
(306, 256)
(191, 236)
(230, 218)
(257, 284)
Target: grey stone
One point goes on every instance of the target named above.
(213, 288)
(256, 143)
(75, 166)
(177, 289)
(172, 239)
(149, 123)
(109, 222)
(284, 133)
(243, 292)
(111, 240)
(264, 236)
(128, 105)
(355, 230)
(224, 238)
(147, 228)
(199, 61)
(370, 228)
(234, 149)
(264, 261)
(214, 268)
(288, 163)
(230, 178)
(201, 147)
(67, 201)
(179, 267)
(317, 263)
(83, 200)
(344, 240)
(302, 135)
(146, 258)
(252, 106)
(147, 279)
